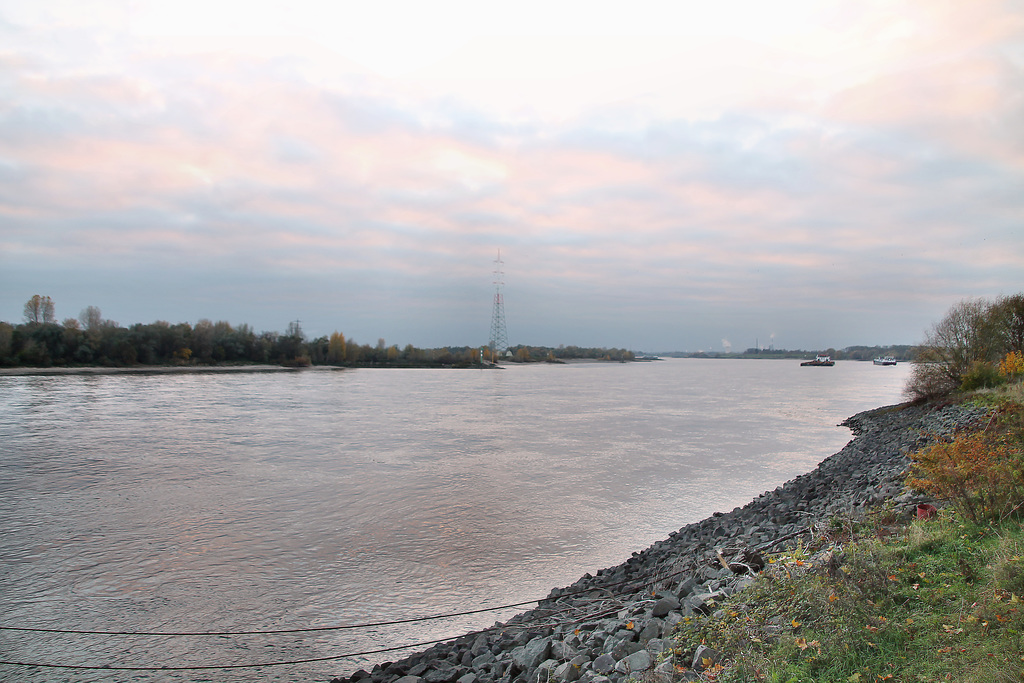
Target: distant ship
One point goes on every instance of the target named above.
(819, 361)
(887, 360)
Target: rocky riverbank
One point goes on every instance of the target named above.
(618, 622)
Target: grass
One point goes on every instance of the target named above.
(882, 598)
(999, 396)
(941, 599)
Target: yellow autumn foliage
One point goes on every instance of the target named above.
(1012, 364)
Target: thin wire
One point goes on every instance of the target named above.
(323, 628)
(513, 627)
(654, 580)
(107, 667)
(270, 632)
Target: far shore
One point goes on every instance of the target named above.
(157, 370)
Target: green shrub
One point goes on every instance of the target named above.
(981, 375)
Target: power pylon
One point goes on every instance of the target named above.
(499, 333)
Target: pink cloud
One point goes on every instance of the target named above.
(237, 159)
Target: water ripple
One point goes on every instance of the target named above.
(226, 502)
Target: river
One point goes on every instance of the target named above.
(325, 498)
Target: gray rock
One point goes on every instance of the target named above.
(704, 658)
(485, 658)
(665, 672)
(441, 674)
(638, 661)
(533, 653)
(544, 671)
(664, 606)
(739, 584)
(685, 587)
(581, 662)
(670, 622)
(567, 672)
(698, 603)
(561, 650)
(604, 664)
(653, 629)
(480, 645)
(625, 647)
(409, 679)
(658, 645)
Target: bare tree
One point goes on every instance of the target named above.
(968, 334)
(91, 318)
(39, 309)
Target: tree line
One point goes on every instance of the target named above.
(89, 339)
(902, 352)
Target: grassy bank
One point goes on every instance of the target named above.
(886, 596)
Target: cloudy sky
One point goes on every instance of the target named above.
(657, 175)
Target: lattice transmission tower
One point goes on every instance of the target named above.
(499, 333)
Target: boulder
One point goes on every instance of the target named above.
(704, 658)
(699, 603)
(604, 664)
(666, 672)
(566, 672)
(624, 647)
(652, 629)
(561, 650)
(665, 605)
(658, 645)
(638, 661)
(481, 660)
(442, 674)
(532, 654)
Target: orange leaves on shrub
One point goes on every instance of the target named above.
(981, 473)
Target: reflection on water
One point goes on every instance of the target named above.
(242, 502)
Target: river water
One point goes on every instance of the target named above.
(243, 502)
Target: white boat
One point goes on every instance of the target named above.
(886, 360)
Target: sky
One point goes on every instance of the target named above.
(657, 176)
